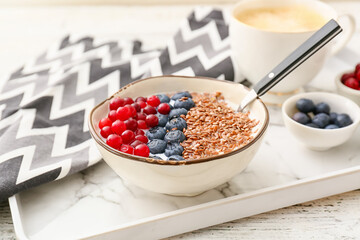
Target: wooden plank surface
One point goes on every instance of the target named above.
(27, 31)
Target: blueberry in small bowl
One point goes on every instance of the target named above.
(320, 120)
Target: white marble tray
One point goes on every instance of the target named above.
(97, 204)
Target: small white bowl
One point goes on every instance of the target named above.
(346, 91)
(321, 139)
(190, 177)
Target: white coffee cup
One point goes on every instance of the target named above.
(256, 51)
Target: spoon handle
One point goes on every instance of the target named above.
(303, 52)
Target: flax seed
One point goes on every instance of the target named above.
(214, 128)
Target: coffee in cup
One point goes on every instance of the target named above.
(293, 18)
(263, 33)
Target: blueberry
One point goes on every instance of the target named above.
(173, 149)
(301, 117)
(180, 95)
(174, 136)
(322, 108)
(313, 125)
(156, 133)
(331, 126)
(185, 103)
(177, 122)
(163, 119)
(176, 157)
(177, 112)
(343, 120)
(321, 119)
(305, 105)
(163, 98)
(333, 117)
(157, 146)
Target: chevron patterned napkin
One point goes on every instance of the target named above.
(44, 105)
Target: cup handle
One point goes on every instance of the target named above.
(347, 34)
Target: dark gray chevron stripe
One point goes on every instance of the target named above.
(19, 73)
(74, 121)
(40, 83)
(97, 72)
(206, 43)
(8, 184)
(42, 59)
(11, 106)
(224, 67)
(42, 155)
(217, 16)
(87, 42)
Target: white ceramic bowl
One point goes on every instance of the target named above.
(346, 91)
(321, 139)
(188, 177)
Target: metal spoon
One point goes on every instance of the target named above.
(297, 57)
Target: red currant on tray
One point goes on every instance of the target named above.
(352, 79)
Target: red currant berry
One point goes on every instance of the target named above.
(149, 110)
(142, 124)
(346, 76)
(132, 110)
(357, 75)
(104, 122)
(128, 136)
(123, 113)
(139, 132)
(357, 67)
(151, 120)
(143, 99)
(118, 127)
(142, 138)
(114, 141)
(153, 101)
(142, 150)
(136, 106)
(105, 131)
(135, 143)
(140, 116)
(142, 104)
(128, 100)
(131, 124)
(112, 115)
(352, 83)
(164, 108)
(116, 102)
(127, 149)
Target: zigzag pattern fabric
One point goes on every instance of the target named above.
(45, 104)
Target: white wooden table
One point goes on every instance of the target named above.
(27, 31)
